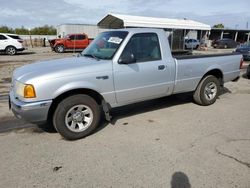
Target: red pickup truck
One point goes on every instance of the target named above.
(70, 41)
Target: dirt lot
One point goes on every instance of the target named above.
(168, 142)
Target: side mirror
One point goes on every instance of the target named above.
(127, 59)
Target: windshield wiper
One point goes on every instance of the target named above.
(91, 55)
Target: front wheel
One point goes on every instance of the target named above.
(59, 48)
(76, 116)
(207, 91)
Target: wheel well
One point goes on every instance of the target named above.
(95, 95)
(59, 44)
(10, 46)
(217, 73)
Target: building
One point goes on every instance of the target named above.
(91, 30)
(239, 35)
(179, 29)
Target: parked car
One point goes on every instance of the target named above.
(71, 41)
(224, 43)
(244, 49)
(192, 43)
(130, 65)
(10, 43)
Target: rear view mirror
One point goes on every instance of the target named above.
(127, 59)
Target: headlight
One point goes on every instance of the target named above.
(25, 90)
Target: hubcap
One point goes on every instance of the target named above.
(210, 91)
(79, 118)
(11, 51)
(60, 49)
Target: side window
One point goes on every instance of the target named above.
(2, 37)
(72, 37)
(144, 47)
(80, 37)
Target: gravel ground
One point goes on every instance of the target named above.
(167, 142)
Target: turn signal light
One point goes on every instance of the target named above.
(29, 91)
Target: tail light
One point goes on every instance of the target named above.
(241, 63)
(21, 41)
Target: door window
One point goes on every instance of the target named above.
(144, 47)
(73, 37)
(80, 37)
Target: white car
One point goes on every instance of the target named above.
(192, 43)
(10, 43)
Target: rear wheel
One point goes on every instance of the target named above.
(11, 50)
(76, 116)
(60, 48)
(207, 91)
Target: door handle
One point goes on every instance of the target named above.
(102, 77)
(161, 67)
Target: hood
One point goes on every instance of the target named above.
(57, 68)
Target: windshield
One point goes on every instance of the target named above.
(105, 45)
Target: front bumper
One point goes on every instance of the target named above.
(34, 112)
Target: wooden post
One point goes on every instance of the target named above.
(30, 40)
(236, 35)
(222, 33)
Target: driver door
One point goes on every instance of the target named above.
(147, 77)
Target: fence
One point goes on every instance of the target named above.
(37, 40)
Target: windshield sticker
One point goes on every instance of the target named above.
(115, 40)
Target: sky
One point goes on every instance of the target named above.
(32, 13)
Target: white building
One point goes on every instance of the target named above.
(91, 30)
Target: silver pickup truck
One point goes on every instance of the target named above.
(119, 67)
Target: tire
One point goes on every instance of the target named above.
(207, 91)
(60, 48)
(76, 116)
(10, 50)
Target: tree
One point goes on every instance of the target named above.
(44, 30)
(5, 29)
(220, 25)
(22, 31)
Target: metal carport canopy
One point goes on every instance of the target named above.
(115, 21)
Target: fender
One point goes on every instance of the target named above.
(108, 97)
(75, 85)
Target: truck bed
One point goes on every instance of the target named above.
(191, 56)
